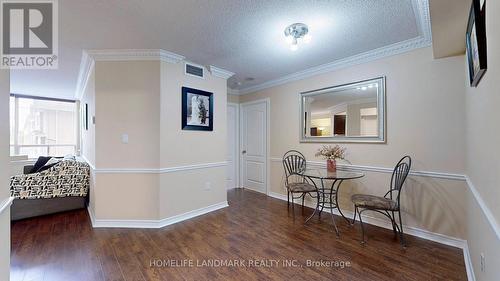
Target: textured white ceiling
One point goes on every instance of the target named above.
(245, 37)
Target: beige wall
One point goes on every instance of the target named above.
(425, 103)
(185, 191)
(182, 147)
(483, 156)
(449, 22)
(4, 174)
(143, 99)
(127, 102)
(126, 196)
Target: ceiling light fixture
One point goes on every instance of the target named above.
(297, 32)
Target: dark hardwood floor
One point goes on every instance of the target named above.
(253, 231)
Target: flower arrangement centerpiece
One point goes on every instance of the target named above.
(331, 154)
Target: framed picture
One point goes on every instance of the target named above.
(86, 117)
(197, 110)
(476, 44)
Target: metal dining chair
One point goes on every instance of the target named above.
(295, 164)
(387, 205)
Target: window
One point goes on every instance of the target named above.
(42, 127)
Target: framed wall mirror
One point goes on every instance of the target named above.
(352, 112)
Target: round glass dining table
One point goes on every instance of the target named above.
(327, 187)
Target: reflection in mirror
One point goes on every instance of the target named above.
(353, 112)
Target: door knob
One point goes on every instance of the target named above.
(244, 152)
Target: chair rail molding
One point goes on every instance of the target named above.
(6, 204)
(160, 170)
(486, 211)
(440, 175)
(422, 14)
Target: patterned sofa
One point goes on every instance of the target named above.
(61, 188)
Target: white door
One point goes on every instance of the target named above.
(232, 145)
(254, 146)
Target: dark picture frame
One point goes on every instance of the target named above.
(476, 44)
(201, 104)
(86, 117)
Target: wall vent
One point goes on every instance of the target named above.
(195, 70)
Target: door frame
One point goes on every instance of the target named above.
(267, 102)
(237, 144)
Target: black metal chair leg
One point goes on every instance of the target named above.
(288, 199)
(334, 224)
(315, 210)
(355, 212)
(362, 228)
(401, 233)
(303, 197)
(322, 205)
(393, 221)
(293, 208)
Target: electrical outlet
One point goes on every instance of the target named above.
(483, 263)
(208, 186)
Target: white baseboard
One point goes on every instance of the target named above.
(100, 223)
(410, 230)
(468, 263)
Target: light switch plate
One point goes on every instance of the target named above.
(125, 138)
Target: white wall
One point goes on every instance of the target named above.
(143, 100)
(4, 174)
(483, 156)
(425, 104)
(185, 191)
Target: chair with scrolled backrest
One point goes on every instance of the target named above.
(294, 164)
(387, 205)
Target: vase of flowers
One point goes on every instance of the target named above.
(331, 154)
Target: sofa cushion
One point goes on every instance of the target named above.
(51, 163)
(42, 160)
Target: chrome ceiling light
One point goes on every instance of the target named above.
(297, 32)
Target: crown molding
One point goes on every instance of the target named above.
(89, 57)
(134, 55)
(422, 14)
(233, 92)
(219, 72)
(86, 67)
